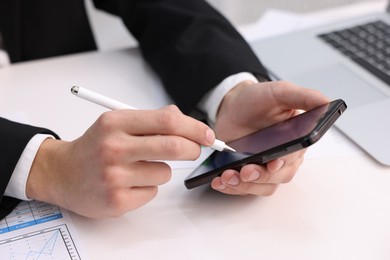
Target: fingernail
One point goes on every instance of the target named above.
(210, 137)
(234, 180)
(221, 187)
(254, 175)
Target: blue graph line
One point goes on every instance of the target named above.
(47, 249)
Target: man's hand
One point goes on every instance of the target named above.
(112, 168)
(249, 107)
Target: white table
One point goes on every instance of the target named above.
(335, 208)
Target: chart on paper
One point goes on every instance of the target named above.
(51, 243)
(36, 230)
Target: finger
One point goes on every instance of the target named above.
(143, 174)
(233, 185)
(244, 188)
(253, 173)
(218, 185)
(294, 96)
(124, 200)
(277, 164)
(165, 121)
(161, 147)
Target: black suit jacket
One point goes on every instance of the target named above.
(187, 42)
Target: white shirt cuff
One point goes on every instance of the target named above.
(16, 187)
(211, 101)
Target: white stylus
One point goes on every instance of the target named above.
(115, 105)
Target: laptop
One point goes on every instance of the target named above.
(348, 60)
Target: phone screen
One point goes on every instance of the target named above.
(269, 143)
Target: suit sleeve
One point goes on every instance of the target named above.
(189, 44)
(13, 139)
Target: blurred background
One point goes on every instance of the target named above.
(111, 34)
(248, 11)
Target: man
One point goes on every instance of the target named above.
(203, 63)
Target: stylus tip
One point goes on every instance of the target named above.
(221, 146)
(229, 148)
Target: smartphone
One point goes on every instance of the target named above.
(267, 144)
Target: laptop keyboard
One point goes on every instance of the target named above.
(368, 45)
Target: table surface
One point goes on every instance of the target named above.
(335, 208)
